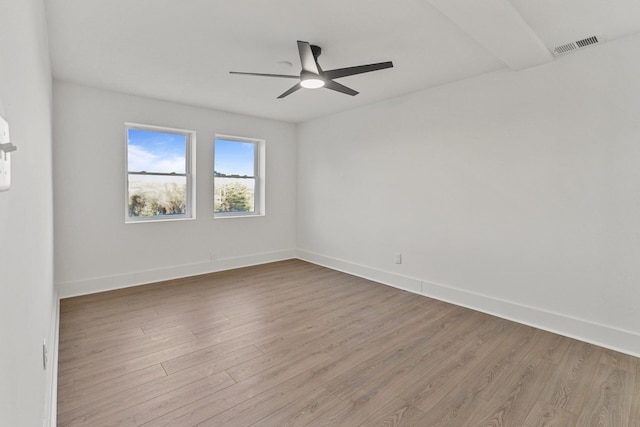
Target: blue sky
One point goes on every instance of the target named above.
(166, 152)
(156, 151)
(234, 158)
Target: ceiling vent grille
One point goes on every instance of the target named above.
(570, 47)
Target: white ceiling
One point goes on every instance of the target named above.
(183, 50)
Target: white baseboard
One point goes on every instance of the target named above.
(584, 330)
(119, 281)
(51, 404)
(391, 279)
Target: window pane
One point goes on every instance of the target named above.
(233, 158)
(237, 179)
(158, 152)
(157, 195)
(234, 194)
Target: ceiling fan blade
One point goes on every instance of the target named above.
(290, 91)
(330, 84)
(350, 71)
(286, 76)
(306, 58)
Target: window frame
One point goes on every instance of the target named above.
(190, 167)
(259, 162)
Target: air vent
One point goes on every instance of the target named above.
(565, 48)
(587, 41)
(570, 47)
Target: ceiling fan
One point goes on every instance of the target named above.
(312, 76)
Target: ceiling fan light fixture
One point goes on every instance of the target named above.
(313, 77)
(312, 82)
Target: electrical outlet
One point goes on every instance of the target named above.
(398, 258)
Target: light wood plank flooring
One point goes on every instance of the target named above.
(294, 344)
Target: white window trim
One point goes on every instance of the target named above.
(190, 173)
(259, 174)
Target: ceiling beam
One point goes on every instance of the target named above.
(497, 26)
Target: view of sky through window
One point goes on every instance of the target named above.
(157, 152)
(234, 158)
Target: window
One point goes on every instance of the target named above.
(160, 183)
(237, 177)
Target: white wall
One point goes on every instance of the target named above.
(516, 193)
(27, 297)
(96, 250)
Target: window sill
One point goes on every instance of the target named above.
(144, 221)
(237, 215)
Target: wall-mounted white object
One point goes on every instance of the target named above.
(6, 147)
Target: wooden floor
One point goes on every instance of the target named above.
(294, 344)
